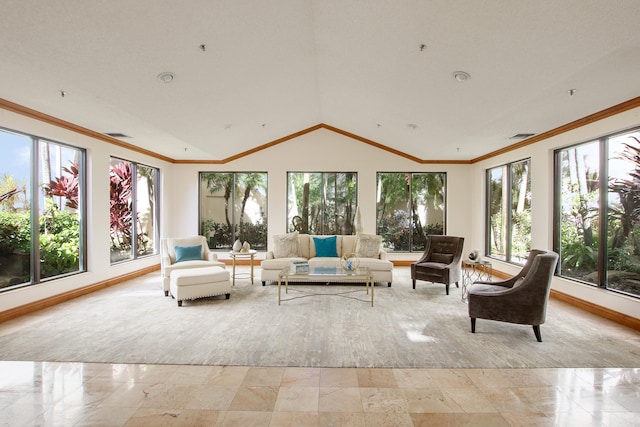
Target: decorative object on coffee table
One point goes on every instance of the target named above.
(237, 246)
(245, 247)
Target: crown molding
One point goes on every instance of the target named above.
(37, 115)
(603, 114)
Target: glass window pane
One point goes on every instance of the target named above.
(520, 211)
(121, 210)
(623, 236)
(427, 207)
(393, 222)
(497, 232)
(146, 210)
(15, 211)
(234, 206)
(321, 202)
(216, 215)
(60, 178)
(251, 208)
(579, 192)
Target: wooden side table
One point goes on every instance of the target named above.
(250, 255)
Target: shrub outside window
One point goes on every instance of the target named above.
(410, 206)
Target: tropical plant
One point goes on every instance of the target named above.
(627, 215)
(121, 215)
(65, 186)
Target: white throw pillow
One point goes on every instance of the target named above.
(368, 245)
(286, 245)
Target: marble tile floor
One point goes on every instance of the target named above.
(93, 394)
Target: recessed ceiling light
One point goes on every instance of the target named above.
(461, 76)
(412, 126)
(166, 77)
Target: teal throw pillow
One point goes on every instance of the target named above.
(325, 246)
(188, 253)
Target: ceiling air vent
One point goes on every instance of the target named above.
(117, 135)
(521, 135)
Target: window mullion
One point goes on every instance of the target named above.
(602, 213)
(35, 212)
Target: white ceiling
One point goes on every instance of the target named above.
(275, 67)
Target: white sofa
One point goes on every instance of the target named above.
(168, 260)
(274, 263)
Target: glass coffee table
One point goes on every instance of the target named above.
(327, 275)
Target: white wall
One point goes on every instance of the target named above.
(541, 155)
(321, 151)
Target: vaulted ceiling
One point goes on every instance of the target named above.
(250, 72)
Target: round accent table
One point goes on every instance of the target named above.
(473, 271)
(250, 255)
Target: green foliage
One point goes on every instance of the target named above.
(15, 233)
(578, 258)
(59, 239)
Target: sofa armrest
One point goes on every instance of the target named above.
(269, 255)
(212, 256)
(165, 261)
(383, 255)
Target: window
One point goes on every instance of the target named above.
(321, 202)
(133, 210)
(42, 210)
(410, 206)
(597, 232)
(233, 205)
(508, 227)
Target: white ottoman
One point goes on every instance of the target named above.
(192, 283)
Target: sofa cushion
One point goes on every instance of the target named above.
(188, 253)
(442, 258)
(279, 263)
(286, 245)
(368, 245)
(325, 246)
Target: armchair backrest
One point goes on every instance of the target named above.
(443, 249)
(525, 268)
(167, 246)
(534, 291)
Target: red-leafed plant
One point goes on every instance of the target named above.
(120, 206)
(65, 186)
(121, 215)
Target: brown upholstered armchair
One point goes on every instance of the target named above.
(525, 302)
(508, 283)
(441, 261)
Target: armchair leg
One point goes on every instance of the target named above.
(536, 330)
(389, 285)
(414, 283)
(457, 285)
(447, 288)
(473, 325)
(166, 293)
(264, 283)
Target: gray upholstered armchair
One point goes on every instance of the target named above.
(441, 261)
(525, 302)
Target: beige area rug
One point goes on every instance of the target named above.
(134, 323)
